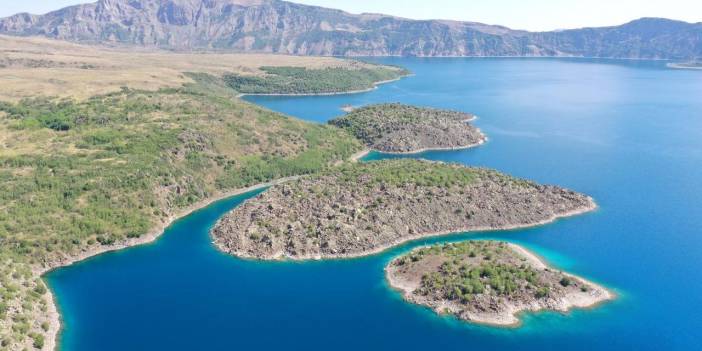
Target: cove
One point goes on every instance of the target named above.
(626, 133)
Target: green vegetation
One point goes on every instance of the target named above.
(476, 267)
(404, 128)
(79, 175)
(566, 282)
(406, 171)
(128, 156)
(370, 123)
(366, 177)
(398, 172)
(300, 80)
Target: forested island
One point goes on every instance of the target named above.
(399, 128)
(363, 208)
(488, 282)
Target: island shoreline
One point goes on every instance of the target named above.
(683, 66)
(427, 149)
(483, 139)
(538, 262)
(278, 257)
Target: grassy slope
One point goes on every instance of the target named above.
(37, 66)
(80, 173)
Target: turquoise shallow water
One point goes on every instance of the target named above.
(627, 133)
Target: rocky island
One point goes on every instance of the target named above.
(686, 65)
(398, 128)
(488, 282)
(363, 208)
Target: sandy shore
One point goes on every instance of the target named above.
(155, 233)
(595, 296)
(280, 255)
(359, 155)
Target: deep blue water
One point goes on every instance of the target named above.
(628, 133)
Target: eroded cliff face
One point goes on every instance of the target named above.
(282, 27)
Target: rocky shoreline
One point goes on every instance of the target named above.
(403, 129)
(486, 282)
(362, 209)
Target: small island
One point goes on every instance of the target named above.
(697, 64)
(359, 209)
(488, 282)
(398, 128)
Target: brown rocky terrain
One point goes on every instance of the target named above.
(488, 282)
(398, 128)
(360, 209)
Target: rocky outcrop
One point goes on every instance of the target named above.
(359, 209)
(398, 128)
(283, 27)
(488, 282)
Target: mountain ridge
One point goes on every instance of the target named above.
(275, 26)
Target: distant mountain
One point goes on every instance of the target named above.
(283, 27)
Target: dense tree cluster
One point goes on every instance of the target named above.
(300, 80)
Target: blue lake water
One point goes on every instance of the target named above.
(628, 133)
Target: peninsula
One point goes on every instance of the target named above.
(101, 149)
(686, 65)
(363, 208)
(488, 282)
(348, 77)
(398, 128)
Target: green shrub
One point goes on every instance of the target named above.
(40, 289)
(37, 341)
(542, 292)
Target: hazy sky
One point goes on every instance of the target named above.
(517, 14)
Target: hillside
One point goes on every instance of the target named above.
(274, 26)
(38, 66)
(83, 173)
